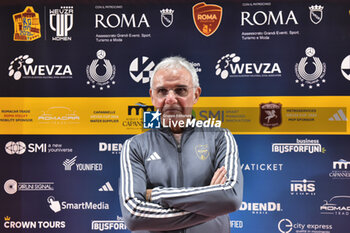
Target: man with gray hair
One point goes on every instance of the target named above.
(176, 178)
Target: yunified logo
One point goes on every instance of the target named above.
(71, 163)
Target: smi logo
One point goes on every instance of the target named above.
(23, 67)
(230, 66)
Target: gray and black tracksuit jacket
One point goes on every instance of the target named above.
(179, 174)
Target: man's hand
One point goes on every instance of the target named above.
(219, 176)
(148, 195)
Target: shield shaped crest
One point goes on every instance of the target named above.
(270, 114)
(202, 151)
(166, 17)
(316, 14)
(207, 17)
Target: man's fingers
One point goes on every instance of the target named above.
(219, 176)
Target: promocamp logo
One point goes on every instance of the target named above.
(230, 65)
(32, 224)
(300, 146)
(23, 67)
(57, 206)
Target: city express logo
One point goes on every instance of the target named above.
(26, 25)
(207, 17)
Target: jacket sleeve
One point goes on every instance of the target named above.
(209, 200)
(139, 214)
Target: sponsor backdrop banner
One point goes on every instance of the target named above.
(74, 81)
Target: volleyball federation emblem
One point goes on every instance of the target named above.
(207, 17)
(100, 72)
(307, 78)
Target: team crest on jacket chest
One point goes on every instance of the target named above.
(202, 151)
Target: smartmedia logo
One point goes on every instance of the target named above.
(57, 206)
(105, 225)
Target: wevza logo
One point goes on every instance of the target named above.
(311, 76)
(68, 164)
(300, 146)
(61, 22)
(154, 120)
(115, 148)
(260, 207)
(11, 186)
(230, 66)
(337, 205)
(286, 225)
(57, 206)
(121, 21)
(302, 187)
(106, 225)
(263, 167)
(58, 115)
(100, 72)
(260, 18)
(23, 67)
(341, 169)
(32, 224)
(20, 148)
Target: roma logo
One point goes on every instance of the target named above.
(207, 18)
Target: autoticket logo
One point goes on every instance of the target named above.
(107, 225)
(10, 223)
(155, 119)
(309, 146)
(11, 186)
(287, 225)
(57, 206)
